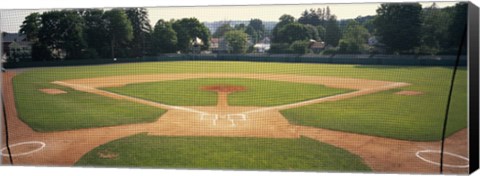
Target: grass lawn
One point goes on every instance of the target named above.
(387, 114)
(223, 153)
(258, 92)
(381, 114)
(75, 109)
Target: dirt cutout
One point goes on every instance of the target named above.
(64, 148)
(224, 88)
(222, 92)
(52, 91)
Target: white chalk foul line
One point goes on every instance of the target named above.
(42, 145)
(445, 153)
(133, 99)
(329, 98)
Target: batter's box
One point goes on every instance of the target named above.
(213, 117)
(234, 117)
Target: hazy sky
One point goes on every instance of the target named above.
(10, 20)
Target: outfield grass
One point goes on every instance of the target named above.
(75, 109)
(380, 114)
(386, 114)
(224, 153)
(258, 92)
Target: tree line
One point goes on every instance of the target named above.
(397, 28)
(96, 33)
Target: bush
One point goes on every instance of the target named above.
(329, 51)
(299, 47)
(90, 53)
(279, 48)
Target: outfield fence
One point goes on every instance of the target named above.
(359, 59)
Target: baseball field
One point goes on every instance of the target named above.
(237, 115)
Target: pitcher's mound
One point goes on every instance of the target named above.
(407, 92)
(53, 91)
(223, 88)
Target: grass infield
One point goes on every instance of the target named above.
(258, 92)
(223, 153)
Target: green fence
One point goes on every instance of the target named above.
(399, 60)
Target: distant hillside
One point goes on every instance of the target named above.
(212, 26)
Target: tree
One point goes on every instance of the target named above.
(299, 47)
(254, 35)
(311, 17)
(434, 29)
(367, 22)
(258, 27)
(284, 20)
(118, 27)
(332, 31)
(240, 27)
(222, 30)
(30, 26)
(354, 38)
(399, 25)
(321, 32)
(456, 28)
(164, 38)
(237, 41)
(62, 32)
(312, 32)
(138, 17)
(187, 30)
(96, 34)
(292, 32)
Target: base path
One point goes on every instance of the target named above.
(64, 148)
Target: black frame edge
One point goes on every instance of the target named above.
(473, 59)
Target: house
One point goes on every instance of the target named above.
(262, 46)
(196, 43)
(219, 45)
(316, 46)
(15, 47)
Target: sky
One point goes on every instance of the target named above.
(10, 20)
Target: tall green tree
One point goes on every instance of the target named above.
(96, 34)
(284, 20)
(321, 32)
(332, 31)
(293, 32)
(220, 31)
(258, 31)
(435, 23)
(138, 17)
(30, 26)
(62, 32)
(237, 41)
(312, 32)
(354, 39)
(456, 28)
(240, 27)
(187, 30)
(311, 17)
(119, 29)
(399, 25)
(164, 38)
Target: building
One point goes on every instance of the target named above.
(218, 45)
(262, 46)
(15, 47)
(316, 46)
